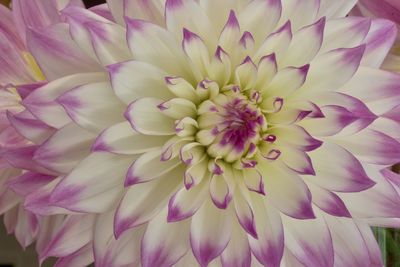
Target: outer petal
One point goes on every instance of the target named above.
(64, 149)
(305, 44)
(41, 102)
(149, 166)
(185, 202)
(253, 15)
(143, 201)
(93, 106)
(343, 61)
(237, 253)
(289, 193)
(210, 232)
(349, 246)
(94, 185)
(54, 48)
(75, 233)
(188, 14)
(268, 248)
(164, 243)
(310, 241)
(336, 8)
(108, 251)
(379, 41)
(290, 12)
(81, 257)
(348, 175)
(155, 45)
(377, 148)
(122, 139)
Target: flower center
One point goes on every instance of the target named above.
(234, 125)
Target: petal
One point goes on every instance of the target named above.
(54, 48)
(288, 193)
(154, 122)
(26, 228)
(244, 211)
(29, 126)
(164, 243)
(122, 139)
(93, 106)
(197, 52)
(286, 81)
(28, 182)
(108, 251)
(188, 14)
(237, 253)
(336, 8)
(328, 201)
(134, 79)
(297, 160)
(152, 44)
(109, 42)
(266, 70)
(377, 147)
(253, 15)
(294, 135)
(290, 12)
(144, 201)
(246, 74)
(210, 232)
(310, 241)
(94, 185)
(382, 199)
(379, 41)
(220, 192)
(276, 43)
(82, 257)
(76, 232)
(348, 175)
(268, 248)
(305, 44)
(254, 180)
(348, 244)
(377, 88)
(335, 120)
(41, 102)
(65, 148)
(343, 61)
(185, 202)
(345, 32)
(152, 10)
(149, 166)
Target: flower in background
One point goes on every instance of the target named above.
(387, 9)
(219, 133)
(23, 182)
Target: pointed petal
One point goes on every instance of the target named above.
(122, 139)
(146, 118)
(144, 201)
(310, 241)
(93, 106)
(54, 47)
(210, 232)
(94, 185)
(348, 175)
(268, 248)
(65, 148)
(164, 243)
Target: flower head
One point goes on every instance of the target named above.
(220, 132)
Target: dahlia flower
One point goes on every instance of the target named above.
(21, 179)
(217, 133)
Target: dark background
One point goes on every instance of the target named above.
(90, 3)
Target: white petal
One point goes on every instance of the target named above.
(164, 243)
(94, 185)
(93, 106)
(64, 149)
(210, 232)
